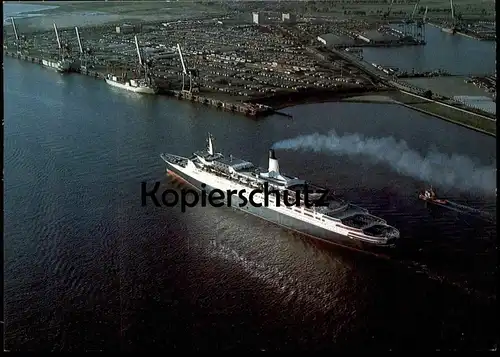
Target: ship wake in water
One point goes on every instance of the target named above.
(290, 287)
(451, 171)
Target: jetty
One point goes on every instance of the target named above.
(248, 109)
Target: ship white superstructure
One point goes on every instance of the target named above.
(336, 221)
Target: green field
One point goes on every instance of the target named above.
(76, 13)
(93, 13)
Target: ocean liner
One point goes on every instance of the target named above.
(335, 220)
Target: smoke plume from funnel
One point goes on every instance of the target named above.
(436, 168)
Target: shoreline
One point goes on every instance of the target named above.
(104, 12)
(455, 116)
(395, 97)
(449, 120)
(291, 99)
(355, 95)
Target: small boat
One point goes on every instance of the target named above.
(430, 196)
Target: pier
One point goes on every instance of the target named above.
(23, 57)
(248, 109)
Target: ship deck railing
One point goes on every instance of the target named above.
(174, 159)
(219, 171)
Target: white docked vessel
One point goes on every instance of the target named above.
(133, 85)
(139, 85)
(332, 219)
(64, 64)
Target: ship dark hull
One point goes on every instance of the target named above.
(291, 223)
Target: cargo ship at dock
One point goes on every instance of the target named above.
(326, 217)
(133, 85)
(63, 66)
(65, 63)
(143, 85)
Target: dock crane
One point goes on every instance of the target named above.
(186, 72)
(421, 22)
(453, 21)
(58, 42)
(386, 14)
(455, 18)
(425, 18)
(411, 18)
(18, 40)
(64, 49)
(138, 51)
(452, 13)
(143, 63)
(83, 54)
(79, 40)
(86, 54)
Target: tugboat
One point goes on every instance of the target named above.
(429, 195)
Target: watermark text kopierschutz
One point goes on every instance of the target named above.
(218, 198)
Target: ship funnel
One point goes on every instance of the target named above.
(273, 163)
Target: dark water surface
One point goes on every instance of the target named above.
(86, 267)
